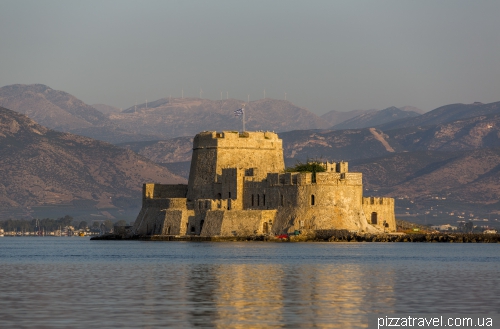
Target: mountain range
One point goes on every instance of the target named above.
(172, 117)
(451, 153)
(61, 111)
(43, 167)
(375, 118)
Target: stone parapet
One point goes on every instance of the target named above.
(162, 191)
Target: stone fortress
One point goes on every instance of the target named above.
(238, 187)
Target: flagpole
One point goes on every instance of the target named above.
(243, 118)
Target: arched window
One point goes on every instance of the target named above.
(312, 200)
(374, 218)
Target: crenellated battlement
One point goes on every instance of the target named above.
(322, 178)
(211, 204)
(338, 167)
(378, 201)
(235, 139)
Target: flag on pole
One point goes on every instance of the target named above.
(238, 112)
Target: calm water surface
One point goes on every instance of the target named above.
(54, 282)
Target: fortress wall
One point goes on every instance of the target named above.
(148, 221)
(259, 196)
(157, 214)
(273, 179)
(335, 207)
(179, 203)
(330, 178)
(354, 178)
(232, 187)
(202, 174)
(210, 204)
(384, 210)
(156, 191)
(213, 223)
(214, 151)
(238, 222)
(304, 178)
(176, 221)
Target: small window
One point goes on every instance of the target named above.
(282, 200)
(193, 229)
(258, 200)
(252, 199)
(263, 199)
(312, 200)
(229, 195)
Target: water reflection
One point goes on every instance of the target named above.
(239, 285)
(324, 296)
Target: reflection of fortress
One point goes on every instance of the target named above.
(237, 186)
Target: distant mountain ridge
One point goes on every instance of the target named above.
(61, 111)
(445, 114)
(333, 118)
(179, 117)
(106, 109)
(471, 177)
(375, 118)
(41, 166)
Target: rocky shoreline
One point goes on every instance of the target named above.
(322, 236)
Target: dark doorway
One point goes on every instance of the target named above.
(374, 218)
(265, 228)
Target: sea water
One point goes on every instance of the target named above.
(72, 282)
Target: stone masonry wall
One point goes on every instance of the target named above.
(238, 222)
(162, 191)
(383, 208)
(214, 151)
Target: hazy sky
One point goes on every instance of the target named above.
(325, 55)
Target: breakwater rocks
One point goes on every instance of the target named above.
(346, 236)
(322, 236)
